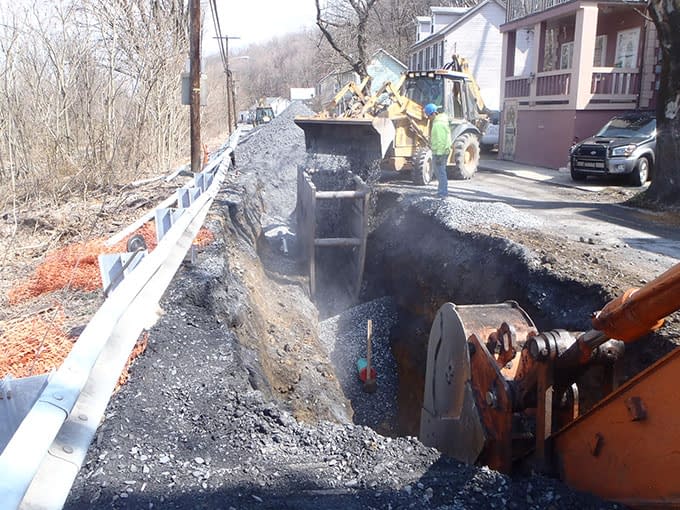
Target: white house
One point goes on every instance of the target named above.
(471, 32)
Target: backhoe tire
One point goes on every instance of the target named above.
(465, 156)
(422, 173)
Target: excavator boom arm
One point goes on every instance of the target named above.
(639, 311)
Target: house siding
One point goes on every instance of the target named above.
(611, 23)
(555, 131)
(480, 42)
(384, 68)
(543, 132)
(442, 20)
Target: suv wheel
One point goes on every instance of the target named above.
(640, 173)
(422, 167)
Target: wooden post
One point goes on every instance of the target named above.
(370, 384)
(195, 78)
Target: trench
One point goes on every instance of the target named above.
(417, 264)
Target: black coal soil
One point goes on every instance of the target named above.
(236, 404)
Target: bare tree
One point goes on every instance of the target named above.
(277, 65)
(89, 93)
(665, 186)
(344, 25)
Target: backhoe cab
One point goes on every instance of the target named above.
(263, 114)
(392, 127)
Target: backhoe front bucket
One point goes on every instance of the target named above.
(367, 139)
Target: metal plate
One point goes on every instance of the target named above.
(450, 421)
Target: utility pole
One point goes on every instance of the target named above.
(195, 79)
(231, 99)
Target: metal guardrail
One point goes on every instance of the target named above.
(42, 458)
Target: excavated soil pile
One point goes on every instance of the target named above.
(242, 399)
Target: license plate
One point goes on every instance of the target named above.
(590, 164)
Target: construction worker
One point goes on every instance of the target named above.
(440, 143)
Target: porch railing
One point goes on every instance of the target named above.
(608, 85)
(517, 86)
(553, 83)
(615, 84)
(520, 8)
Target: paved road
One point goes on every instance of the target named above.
(571, 209)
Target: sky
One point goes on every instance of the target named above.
(256, 21)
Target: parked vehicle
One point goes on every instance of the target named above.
(626, 145)
(489, 140)
(263, 114)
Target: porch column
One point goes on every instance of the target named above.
(507, 61)
(584, 52)
(537, 45)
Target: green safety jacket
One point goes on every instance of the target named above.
(440, 135)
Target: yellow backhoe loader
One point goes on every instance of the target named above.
(391, 126)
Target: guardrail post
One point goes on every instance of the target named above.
(165, 219)
(17, 397)
(114, 267)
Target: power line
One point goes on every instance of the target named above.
(221, 41)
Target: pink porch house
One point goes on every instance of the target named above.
(567, 67)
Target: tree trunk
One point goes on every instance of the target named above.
(665, 186)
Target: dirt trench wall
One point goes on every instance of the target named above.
(422, 263)
(272, 316)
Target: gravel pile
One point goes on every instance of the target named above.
(189, 431)
(271, 154)
(197, 426)
(456, 214)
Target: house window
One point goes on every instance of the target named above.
(420, 59)
(435, 58)
(600, 51)
(427, 57)
(441, 54)
(566, 55)
(627, 42)
(550, 50)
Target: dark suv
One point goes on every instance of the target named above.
(626, 145)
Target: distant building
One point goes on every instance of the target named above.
(278, 104)
(471, 32)
(302, 94)
(382, 67)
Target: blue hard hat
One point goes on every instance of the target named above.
(430, 109)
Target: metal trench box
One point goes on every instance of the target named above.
(332, 227)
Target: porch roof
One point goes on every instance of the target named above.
(517, 16)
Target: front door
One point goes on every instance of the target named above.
(509, 129)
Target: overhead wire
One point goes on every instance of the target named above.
(221, 41)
